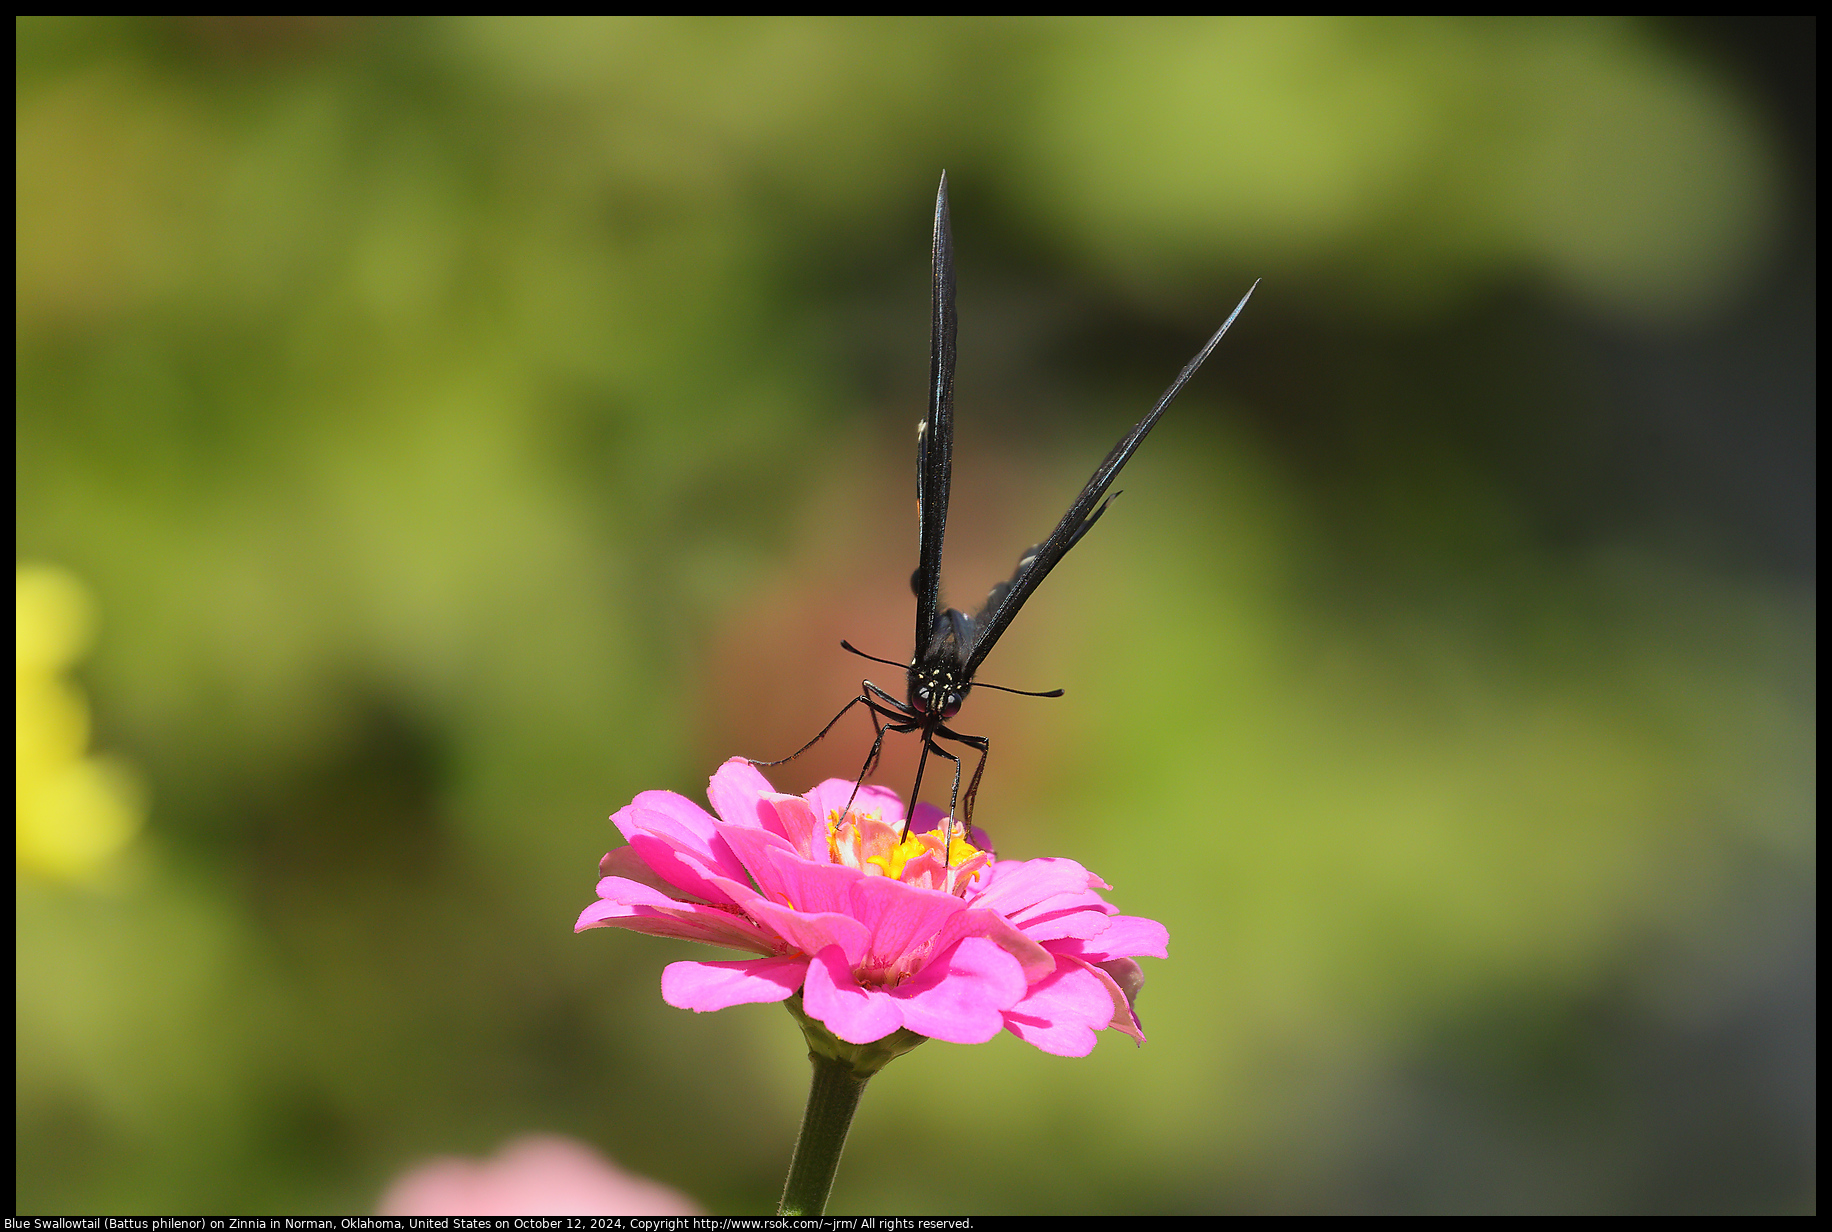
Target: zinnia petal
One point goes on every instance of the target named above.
(707, 986)
(829, 800)
(856, 1014)
(1061, 1014)
(1129, 936)
(962, 999)
(637, 907)
(737, 792)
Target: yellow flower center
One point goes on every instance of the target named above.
(867, 842)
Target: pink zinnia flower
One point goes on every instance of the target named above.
(877, 932)
(541, 1174)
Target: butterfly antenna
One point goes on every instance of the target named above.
(849, 647)
(1020, 692)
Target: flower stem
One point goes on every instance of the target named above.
(841, 1071)
(832, 1099)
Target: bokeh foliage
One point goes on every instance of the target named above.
(463, 425)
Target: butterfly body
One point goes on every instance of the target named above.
(937, 684)
(950, 645)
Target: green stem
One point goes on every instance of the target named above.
(832, 1100)
(841, 1071)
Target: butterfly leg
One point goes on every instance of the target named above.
(823, 731)
(882, 704)
(929, 746)
(898, 723)
(973, 789)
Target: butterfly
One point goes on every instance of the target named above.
(950, 644)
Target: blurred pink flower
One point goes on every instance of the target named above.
(876, 932)
(542, 1174)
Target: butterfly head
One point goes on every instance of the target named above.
(938, 677)
(937, 688)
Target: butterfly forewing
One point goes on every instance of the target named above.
(935, 435)
(1037, 563)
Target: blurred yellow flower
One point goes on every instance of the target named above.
(74, 811)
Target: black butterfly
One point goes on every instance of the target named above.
(951, 645)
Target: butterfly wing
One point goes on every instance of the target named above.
(935, 435)
(1008, 597)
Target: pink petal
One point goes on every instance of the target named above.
(1128, 936)
(736, 793)
(1120, 999)
(677, 821)
(833, 997)
(1023, 890)
(1048, 899)
(1061, 1014)
(1066, 1039)
(804, 884)
(796, 821)
(624, 862)
(962, 998)
(901, 918)
(830, 798)
(1079, 924)
(638, 908)
(706, 986)
(672, 805)
(682, 851)
(756, 851)
(813, 932)
(1036, 961)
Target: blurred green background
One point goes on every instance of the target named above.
(456, 427)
